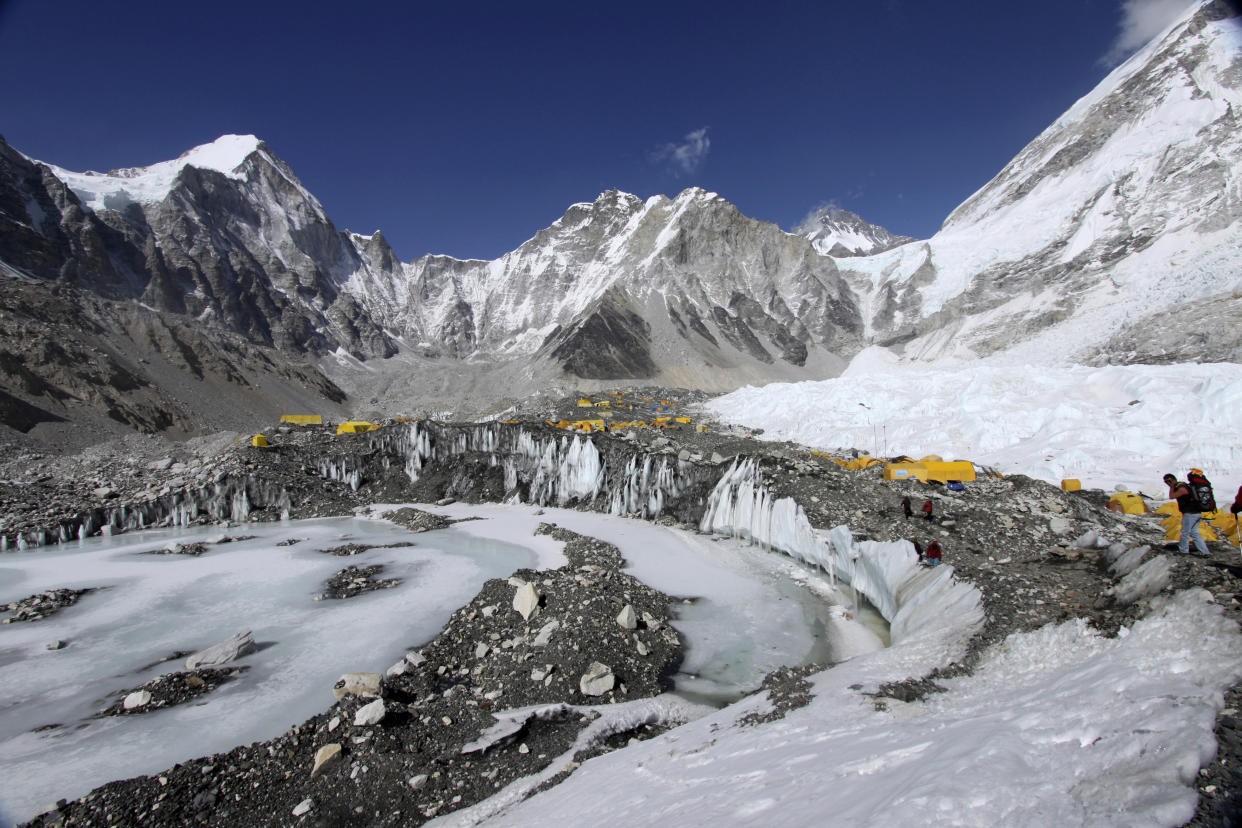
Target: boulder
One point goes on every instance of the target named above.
(362, 685)
(303, 807)
(526, 600)
(597, 680)
(628, 619)
(1087, 540)
(138, 698)
(222, 653)
(545, 633)
(327, 753)
(370, 714)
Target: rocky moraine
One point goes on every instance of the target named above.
(518, 676)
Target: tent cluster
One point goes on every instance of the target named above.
(932, 467)
(602, 425)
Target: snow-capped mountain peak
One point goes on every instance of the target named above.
(117, 189)
(837, 232)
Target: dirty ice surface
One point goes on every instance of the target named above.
(748, 620)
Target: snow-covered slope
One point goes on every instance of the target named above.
(1128, 206)
(1109, 426)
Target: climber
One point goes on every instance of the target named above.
(927, 510)
(933, 553)
(1192, 514)
(905, 507)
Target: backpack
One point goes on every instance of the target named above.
(1201, 488)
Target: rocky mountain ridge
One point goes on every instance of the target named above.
(1117, 222)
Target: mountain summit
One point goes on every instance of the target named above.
(837, 232)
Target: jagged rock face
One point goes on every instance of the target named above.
(247, 248)
(46, 232)
(1126, 208)
(840, 233)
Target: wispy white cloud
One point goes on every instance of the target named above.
(815, 211)
(687, 156)
(1141, 20)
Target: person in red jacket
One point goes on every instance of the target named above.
(933, 553)
(1237, 502)
(927, 510)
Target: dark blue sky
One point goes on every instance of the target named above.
(464, 130)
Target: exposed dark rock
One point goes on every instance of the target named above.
(174, 688)
(355, 580)
(41, 605)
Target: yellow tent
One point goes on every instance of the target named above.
(584, 403)
(932, 458)
(864, 462)
(943, 471)
(258, 441)
(1071, 484)
(355, 427)
(302, 419)
(1128, 503)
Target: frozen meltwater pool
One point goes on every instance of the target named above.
(748, 617)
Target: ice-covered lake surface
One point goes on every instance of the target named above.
(754, 612)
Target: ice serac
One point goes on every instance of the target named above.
(1118, 224)
(917, 602)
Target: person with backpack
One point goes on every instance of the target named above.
(927, 510)
(1190, 502)
(933, 553)
(905, 507)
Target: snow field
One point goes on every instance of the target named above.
(1112, 426)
